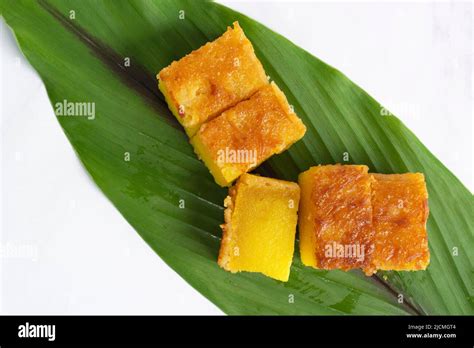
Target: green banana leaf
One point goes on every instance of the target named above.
(81, 50)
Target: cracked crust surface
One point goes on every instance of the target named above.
(400, 213)
(209, 80)
(336, 215)
(258, 128)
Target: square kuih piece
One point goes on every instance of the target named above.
(335, 217)
(260, 226)
(211, 79)
(247, 134)
(400, 211)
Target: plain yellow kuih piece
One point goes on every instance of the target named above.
(211, 79)
(247, 134)
(260, 226)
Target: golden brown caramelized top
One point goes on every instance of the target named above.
(400, 211)
(342, 216)
(213, 78)
(264, 124)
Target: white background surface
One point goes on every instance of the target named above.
(76, 254)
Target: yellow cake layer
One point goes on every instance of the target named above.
(400, 211)
(211, 79)
(260, 226)
(335, 217)
(247, 134)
